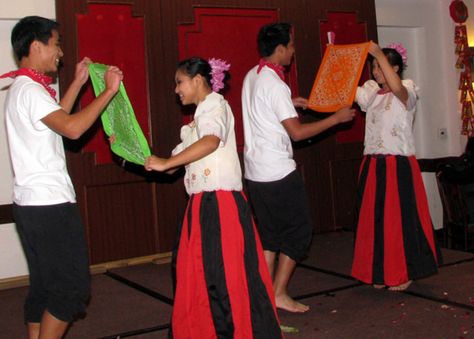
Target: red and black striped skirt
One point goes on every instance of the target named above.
(223, 286)
(394, 239)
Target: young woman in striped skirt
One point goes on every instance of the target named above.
(395, 242)
(223, 286)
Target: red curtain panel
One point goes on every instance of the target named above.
(229, 34)
(110, 34)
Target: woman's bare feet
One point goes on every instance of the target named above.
(401, 287)
(378, 286)
(285, 302)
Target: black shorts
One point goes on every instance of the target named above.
(55, 248)
(282, 215)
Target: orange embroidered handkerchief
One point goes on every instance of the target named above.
(338, 75)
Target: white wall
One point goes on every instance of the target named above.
(414, 40)
(12, 260)
(427, 30)
(6, 63)
(19, 8)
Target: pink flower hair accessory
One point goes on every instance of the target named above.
(401, 50)
(218, 69)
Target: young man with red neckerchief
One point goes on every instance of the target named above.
(44, 204)
(275, 188)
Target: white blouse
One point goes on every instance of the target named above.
(219, 170)
(389, 122)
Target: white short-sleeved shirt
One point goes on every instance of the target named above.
(37, 152)
(389, 122)
(266, 102)
(219, 170)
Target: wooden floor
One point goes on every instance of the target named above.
(135, 302)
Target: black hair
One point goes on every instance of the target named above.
(272, 35)
(395, 59)
(29, 29)
(194, 66)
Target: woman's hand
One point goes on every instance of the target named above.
(375, 50)
(153, 163)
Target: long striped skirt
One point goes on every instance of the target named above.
(395, 239)
(223, 286)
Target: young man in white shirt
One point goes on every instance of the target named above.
(44, 205)
(275, 188)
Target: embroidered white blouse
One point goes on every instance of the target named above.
(389, 123)
(219, 170)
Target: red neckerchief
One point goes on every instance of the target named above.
(383, 91)
(277, 68)
(42, 79)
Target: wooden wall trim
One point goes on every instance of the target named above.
(158, 259)
(6, 214)
(431, 165)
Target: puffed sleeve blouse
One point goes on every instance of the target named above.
(221, 169)
(389, 122)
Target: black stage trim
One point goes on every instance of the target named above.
(322, 270)
(138, 332)
(140, 288)
(329, 292)
(415, 294)
(457, 262)
(439, 300)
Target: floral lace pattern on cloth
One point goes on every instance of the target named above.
(119, 120)
(338, 76)
(219, 170)
(389, 122)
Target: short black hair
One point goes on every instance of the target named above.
(272, 35)
(194, 66)
(29, 29)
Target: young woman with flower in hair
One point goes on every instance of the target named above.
(223, 286)
(395, 242)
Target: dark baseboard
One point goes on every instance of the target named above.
(6, 214)
(439, 235)
(431, 165)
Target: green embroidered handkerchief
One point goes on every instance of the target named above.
(119, 119)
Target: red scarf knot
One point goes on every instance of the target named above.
(383, 91)
(277, 68)
(34, 75)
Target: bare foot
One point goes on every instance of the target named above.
(401, 287)
(286, 303)
(378, 286)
